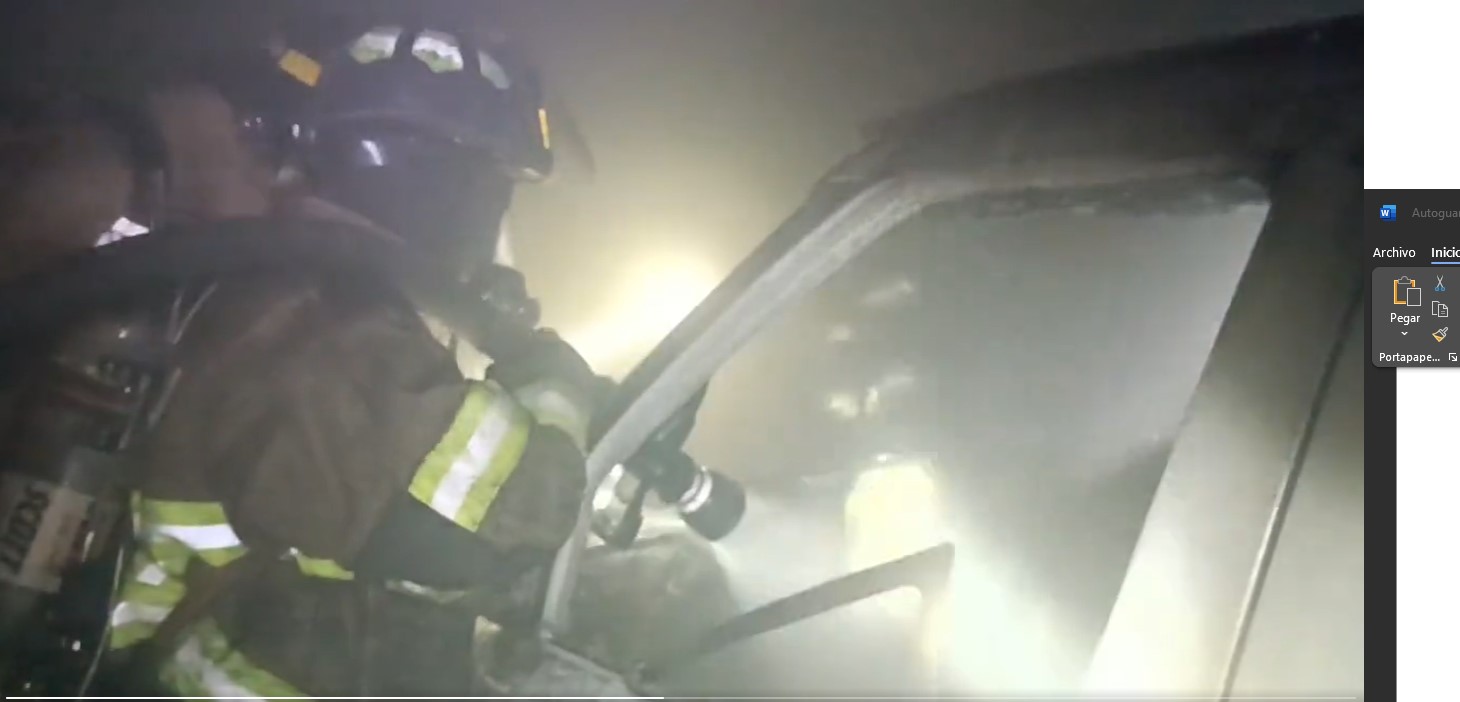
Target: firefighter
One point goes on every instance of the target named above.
(323, 469)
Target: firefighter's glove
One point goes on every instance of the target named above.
(553, 382)
(505, 290)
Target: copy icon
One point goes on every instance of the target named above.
(1439, 309)
(1406, 291)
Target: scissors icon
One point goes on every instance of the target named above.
(1439, 283)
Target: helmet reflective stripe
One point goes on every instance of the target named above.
(206, 666)
(462, 475)
(439, 51)
(376, 45)
(302, 68)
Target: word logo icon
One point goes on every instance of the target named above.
(1388, 213)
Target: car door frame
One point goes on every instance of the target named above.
(1304, 243)
(1180, 620)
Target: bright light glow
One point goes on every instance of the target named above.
(843, 405)
(987, 634)
(993, 636)
(839, 333)
(892, 512)
(659, 294)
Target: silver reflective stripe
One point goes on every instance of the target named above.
(468, 468)
(549, 404)
(190, 659)
(153, 574)
(554, 408)
(131, 613)
(200, 538)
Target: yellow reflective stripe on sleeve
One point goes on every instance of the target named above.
(200, 527)
(171, 556)
(178, 513)
(135, 621)
(322, 568)
(210, 555)
(428, 477)
(151, 574)
(133, 613)
(168, 593)
(206, 666)
(129, 634)
(464, 472)
(480, 496)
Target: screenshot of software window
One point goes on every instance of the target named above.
(1412, 262)
(846, 349)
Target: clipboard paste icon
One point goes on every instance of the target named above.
(1406, 291)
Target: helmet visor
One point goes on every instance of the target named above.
(444, 197)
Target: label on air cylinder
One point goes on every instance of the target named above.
(39, 523)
